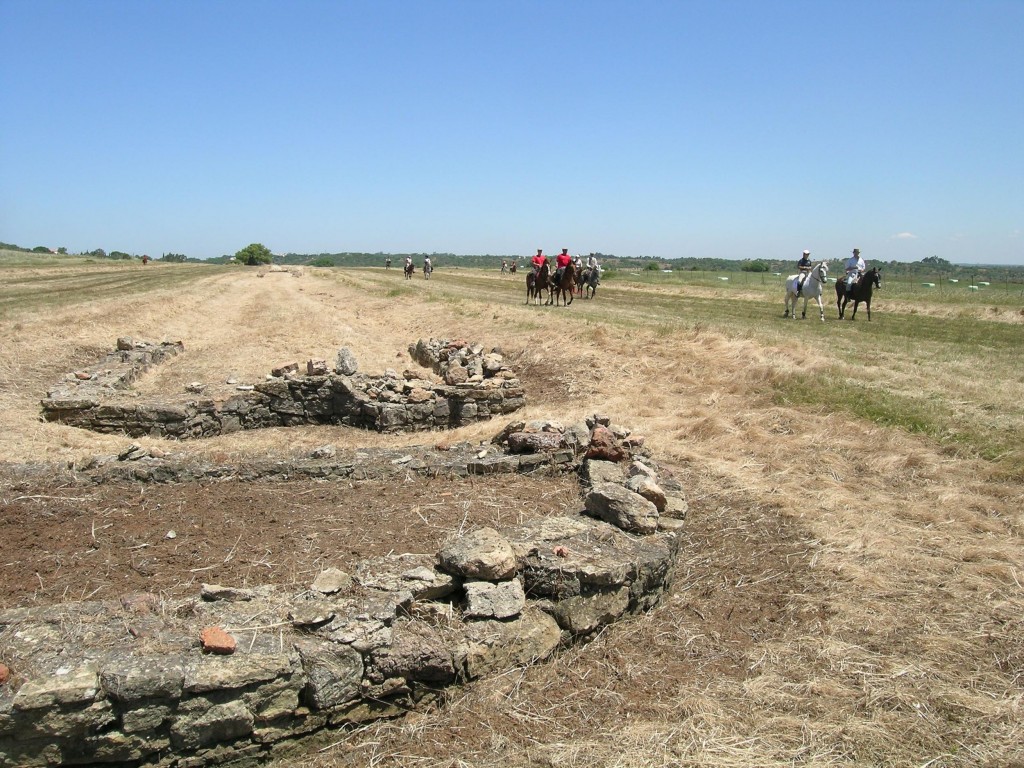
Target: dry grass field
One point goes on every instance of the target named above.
(850, 588)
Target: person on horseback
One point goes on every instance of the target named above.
(408, 262)
(855, 267)
(577, 263)
(504, 266)
(539, 261)
(562, 261)
(592, 262)
(804, 269)
(427, 266)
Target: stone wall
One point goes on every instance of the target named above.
(478, 386)
(241, 674)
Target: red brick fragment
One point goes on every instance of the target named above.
(216, 640)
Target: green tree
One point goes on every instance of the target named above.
(754, 266)
(254, 254)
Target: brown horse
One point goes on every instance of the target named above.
(564, 287)
(512, 268)
(861, 292)
(537, 283)
(409, 269)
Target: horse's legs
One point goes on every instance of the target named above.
(821, 307)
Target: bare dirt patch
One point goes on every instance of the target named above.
(104, 541)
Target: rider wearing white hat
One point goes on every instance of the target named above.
(804, 269)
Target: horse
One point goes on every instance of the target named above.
(564, 287)
(861, 292)
(535, 283)
(387, 263)
(512, 268)
(409, 269)
(811, 289)
(590, 279)
(427, 269)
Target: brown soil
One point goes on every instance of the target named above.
(103, 541)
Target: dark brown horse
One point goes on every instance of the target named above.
(512, 268)
(564, 287)
(409, 269)
(861, 292)
(535, 283)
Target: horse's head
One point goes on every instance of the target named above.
(823, 270)
(876, 277)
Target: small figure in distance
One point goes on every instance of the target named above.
(504, 266)
(387, 263)
(855, 267)
(804, 269)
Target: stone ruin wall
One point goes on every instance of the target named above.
(477, 386)
(237, 675)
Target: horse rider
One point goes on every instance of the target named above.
(427, 266)
(562, 261)
(577, 264)
(855, 267)
(592, 263)
(504, 266)
(804, 269)
(387, 263)
(408, 263)
(539, 261)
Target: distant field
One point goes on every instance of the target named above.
(849, 586)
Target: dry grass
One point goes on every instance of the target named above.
(849, 594)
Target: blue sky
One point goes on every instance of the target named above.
(729, 128)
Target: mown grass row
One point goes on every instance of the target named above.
(27, 292)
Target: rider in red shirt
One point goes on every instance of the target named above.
(562, 261)
(539, 260)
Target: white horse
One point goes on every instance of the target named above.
(811, 290)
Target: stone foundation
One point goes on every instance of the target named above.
(479, 387)
(238, 675)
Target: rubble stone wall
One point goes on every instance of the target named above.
(477, 387)
(238, 675)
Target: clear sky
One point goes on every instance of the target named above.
(707, 128)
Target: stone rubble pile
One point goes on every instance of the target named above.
(477, 387)
(239, 674)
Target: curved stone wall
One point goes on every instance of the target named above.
(240, 674)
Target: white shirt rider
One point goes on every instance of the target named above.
(855, 267)
(592, 262)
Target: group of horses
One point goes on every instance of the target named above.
(814, 284)
(410, 270)
(562, 289)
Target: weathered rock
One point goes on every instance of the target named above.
(316, 367)
(498, 645)
(331, 580)
(482, 554)
(583, 614)
(219, 723)
(346, 363)
(284, 370)
(621, 507)
(676, 507)
(124, 343)
(604, 446)
(213, 592)
(333, 673)
(456, 374)
(535, 442)
(129, 677)
(646, 486)
(487, 600)
(77, 685)
(417, 652)
(595, 471)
